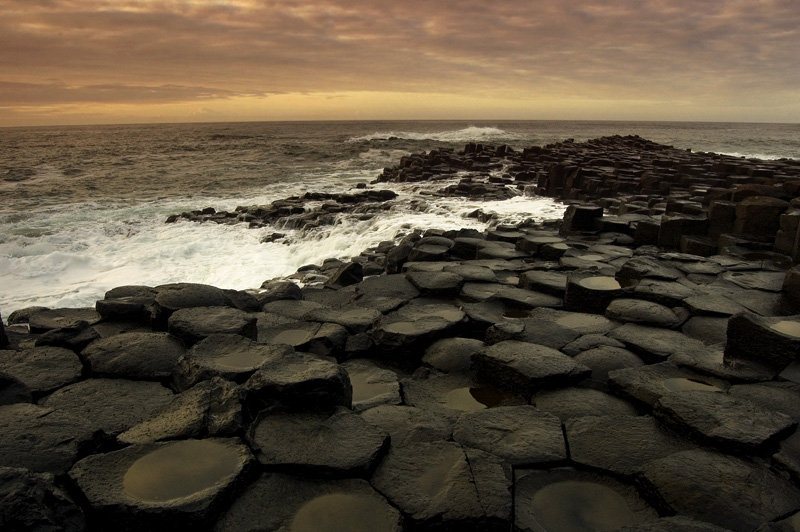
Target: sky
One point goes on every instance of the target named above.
(135, 61)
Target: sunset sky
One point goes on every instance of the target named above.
(120, 61)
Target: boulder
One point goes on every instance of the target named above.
(568, 499)
(46, 319)
(620, 445)
(407, 424)
(443, 484)
(522, 367)
(278, 290)
(518, 435)
(33, 502)
(194, 324)
(283, 502)
(384, 293)
(135, 355)
(571, 403)
(299, 380)
(110, 405)
(42, 369)
(581, 217)
(162, 486)
(372, 385)
(43, 440)
(210, 408)
(356, 319)
(230, 356)
(722, 490)
(723, 420)
(347, 274)
(339, 444)
(172, 297)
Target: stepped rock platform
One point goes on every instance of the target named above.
(633, 367)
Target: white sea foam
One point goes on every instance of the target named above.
(468, 134)
(762, 156)
(89, 251)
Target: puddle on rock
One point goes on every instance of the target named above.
(363, 389)
(680, 384)
(791, 328)
(516, 313)
(577, 320)
(600, 282)
(580, 506)
(179, 470)
(591, 257)
(403, 327)
(343, 512)
(472, 399)
(239, 360)
(293, 337)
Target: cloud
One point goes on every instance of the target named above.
(147, 50)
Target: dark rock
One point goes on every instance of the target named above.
(589, 341)
(230, 356)
(72, 338)
(710, 304)
(13, 390)
(407, 424)
(414, 323)
(546, 282)
(761, 280)
(172, 297)
(441, 483)
(345, 275)
(570, 403)
(759, 215)
(110, 405)
(42, 369)
(194, 324)
(340, 444)
(654, 343)
(277, 291)
(454, 393)
(46, 320)
(32, 502)
(524, 368)
(210, 408)
(668, 293)
(280, 502)
(723, 490)
(355, 319)
(23, 315)
(436, 284)
(3, 337)
(568, 499)
(519, 435)
(620, 444)
(722, 420)
(783, 397)
(162, 486)
(581, 217)
(603, 360)
(472, 273)
(673, 524)
(642, 267)
(591, 291)
(372, 385)
(773, 342)
(127, 303)
(149, 356)
(647, 384)
(643, 313)
(299, 380)
(550, 327)
(384, 293)
(452, 354)
(44, 440)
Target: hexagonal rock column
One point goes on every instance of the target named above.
(42, 369)
(442, 483)
(299, 380)
(32, 502)
(581, 217)
(339, 444)
(284, 502)
(162, 486)
(759, 215)
(414, 323)
(566, 499)
(773, 342)
(591, 292)
(172, 297)
(519, 435)
(42, 439)
(229, 356)
(134, 355)
(726, 491)
(194, 324)
(523, 368)
(722, 420)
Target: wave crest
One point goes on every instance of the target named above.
(461, 135)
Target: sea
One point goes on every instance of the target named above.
(83, 208)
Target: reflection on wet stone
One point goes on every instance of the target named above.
(343, 512)
(179, 470)
(578, 506)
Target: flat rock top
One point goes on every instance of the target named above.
(42, 369)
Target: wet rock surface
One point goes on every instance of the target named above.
(633, 366)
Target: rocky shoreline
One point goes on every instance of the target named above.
(630, 367)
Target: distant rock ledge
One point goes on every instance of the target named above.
(634, 365)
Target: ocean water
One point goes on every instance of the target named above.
(82, 209)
